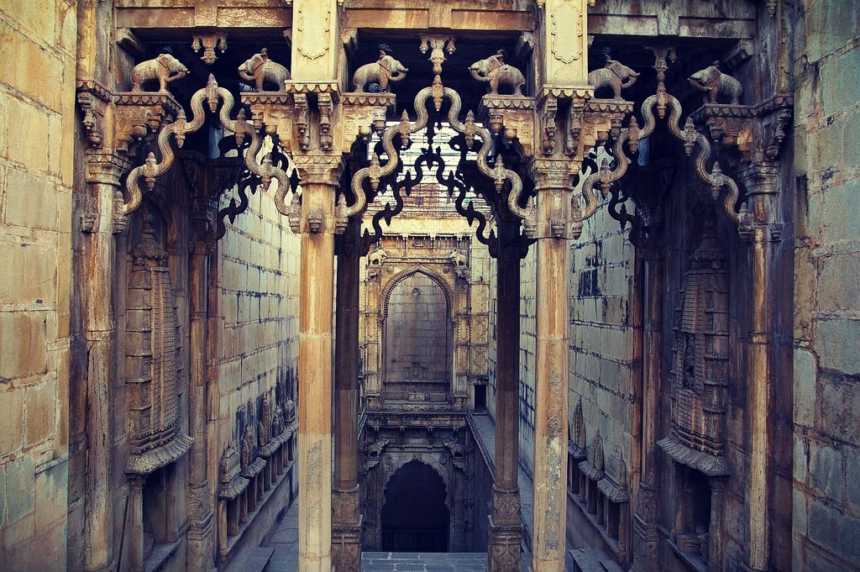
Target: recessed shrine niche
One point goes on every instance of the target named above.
(417, 339)
(698, 381)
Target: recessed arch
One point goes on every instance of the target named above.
(415, 514)
(417, 335)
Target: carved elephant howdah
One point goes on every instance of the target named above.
(498, 74)
(614, 75)
(165, 68)
(261, 70)
(384, 70)
(716, 84)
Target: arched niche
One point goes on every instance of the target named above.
(417, 354)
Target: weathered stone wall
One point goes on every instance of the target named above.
(601, 374)
(826, 505)
(37, 72)
(258, 266)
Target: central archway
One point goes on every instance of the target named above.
(415, 517)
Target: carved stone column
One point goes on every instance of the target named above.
(762, 230)
(346, 525)
(319, 176)
(201, 528)
(100, 221)
(553, 189)
(135, 519)
(505, 525)
(645, 516)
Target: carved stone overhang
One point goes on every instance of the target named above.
(231, 484)
(139, 114)
(420, 420)
(749, 127)
(254, 468)
(710, 465)
(590, 470)
(512, 116)
(613, 491)
(149, 461)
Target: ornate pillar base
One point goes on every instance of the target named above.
(503, 550)
(346, 530)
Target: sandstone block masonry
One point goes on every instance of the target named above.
(826, 503)
(36, 158)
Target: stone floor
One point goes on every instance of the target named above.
(423, 562)
(284, 538)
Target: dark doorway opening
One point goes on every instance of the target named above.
(414, 516)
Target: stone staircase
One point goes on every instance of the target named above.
(424, 562)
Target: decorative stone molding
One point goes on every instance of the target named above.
(209, 43)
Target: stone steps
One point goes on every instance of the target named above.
(424, 562)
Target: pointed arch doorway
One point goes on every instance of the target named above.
(415, 516)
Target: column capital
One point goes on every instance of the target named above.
(319, 169)
(760, 217)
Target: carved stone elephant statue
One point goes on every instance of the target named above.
(715, 83)
(497, 73)
(165, 68)
(260, 70)
(384, 70)
(615, 75)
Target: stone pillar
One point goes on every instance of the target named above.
(346, 523)
(645, 517)
(100, 221)
(505, 526)
(134, 540)
(760, 227)
(552, 186)
(201, 522)
(317, 230)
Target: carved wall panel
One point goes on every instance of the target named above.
(153, 349)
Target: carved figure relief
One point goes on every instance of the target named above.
(247, 448)
(165, 68)
(497, 73)
(384, 70)
(264, 427)
(261, 70)
(717, 84)
(614, 75)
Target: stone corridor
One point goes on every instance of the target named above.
(506, 285)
